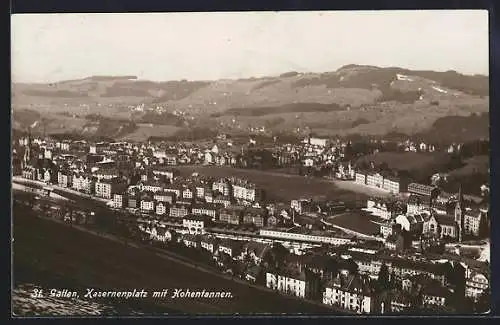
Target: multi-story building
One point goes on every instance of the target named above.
(187, 193)
(374, 179)
(222, 200)
(394, 184)
(208, 209)
(161, 208)
(231, 215)
(209, 243)
(360, 178)
(292, 281)
(151, 186)
(255, 216)
(423, 190)
(64, 178)
(434, 295)
(106, 173)
(472, 221)
(105, 188)
(196, 224)
(476, 283)
(147, 202)
(222, 186)
(118, 200)
(167, 197)
(243, 190)
(178, 211)
(83, 183)
(351, 293)
(232, 248)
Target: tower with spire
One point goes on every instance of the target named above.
(459, 213)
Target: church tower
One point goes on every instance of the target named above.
(459, 214)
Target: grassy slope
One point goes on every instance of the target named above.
(477, 164)
(361, 86)
(92, 261)
(403, 160)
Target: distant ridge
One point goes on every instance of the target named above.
(354, 99)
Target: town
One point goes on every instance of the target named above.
(389, 244)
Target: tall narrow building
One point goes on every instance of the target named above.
(459, 214)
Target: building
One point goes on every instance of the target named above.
(256, 251)
(29, 172)
(105, 188)
(232, 248)
(423, 190)
(434, 295)
(151, 186)
(161, 208)
(222, 200)
(118, 200)
(223, 186)
(178, 211)
(64, 179)
(416, 205)
(411, 223)
(395, 242)
(166, 197)
(400, 302)
(293, 280)
(476, 283)
(374, 180)
(83, 183)
(394, 184)
(133, 202)
(301, 237)
(472, 222)
(231, 215)
(209, 243)
(147, 202)
(381, 208)
(208, 209)
(106, 173)
(254, 216)
(187, 193)
(352, 292)
(360, 178)
(195, 224)
(460, 215)
(191, 240)
(243, 190)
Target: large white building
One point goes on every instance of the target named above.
(292, 283)
(305, 237)
(350, 293)
(195, 224)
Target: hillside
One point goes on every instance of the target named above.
(355, 99)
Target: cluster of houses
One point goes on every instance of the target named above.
(142, 180)
(350, 284)
(429, 214)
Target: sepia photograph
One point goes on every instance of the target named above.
(254, 163)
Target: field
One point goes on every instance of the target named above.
(278, 186)
(474, 165)
(404, 160)
(144, 131)
(356, 221)
(84, 260)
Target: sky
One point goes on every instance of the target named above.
(209, 46)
